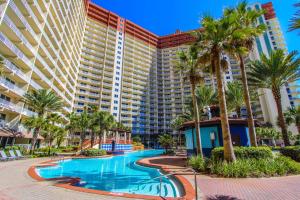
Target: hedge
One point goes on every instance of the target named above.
(243, 153)
(94, 152)
(242, 168)
(292, 152)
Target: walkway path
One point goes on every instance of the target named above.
(277, 188)
(15, 184)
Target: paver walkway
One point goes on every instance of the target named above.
(277, 188)
(15, 184)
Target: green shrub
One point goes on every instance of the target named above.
(94, 152)
(266, 167)
(197, 163)
(243, 153)
(292, 152)
(70, 148)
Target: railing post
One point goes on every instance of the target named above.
(196, 188)
(160, 180)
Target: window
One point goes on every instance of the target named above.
(118, 67)
(115, 102)
(115, 108)
(81, 97)
(80, 103)
(115, 114)
(117, 78)
(118, 73)
(118, 62)
(116, 84)
(116, 90)
(116, 96)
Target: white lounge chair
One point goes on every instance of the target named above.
(4, 156)
(12, 154)
(19, 154)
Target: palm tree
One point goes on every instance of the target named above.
(105, 122)
(166, 141)
(176, 124)
(72, 124)
(292, 115)
(42, 102)
(295, 21)
(206, 96)
(234, 97)
(273, 73)
(213, 41)
(83, 124)
(241, 43)
(52, 129)
(37, 125)
(190, 69)
(93, 126)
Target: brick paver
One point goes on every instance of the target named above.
(278, 188)
(15, 184)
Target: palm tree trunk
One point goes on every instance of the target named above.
(196, 120)
(92, 139)
(228, 148)
(100, 139)
(277, 97)
(238, 111)
(35, 135)
(247, 100)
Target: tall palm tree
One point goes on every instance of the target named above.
(241, 43)
(234, 97)
(83, 124)
(93, 126)
(176, 124)
(37, 125)
(42, 102)
(190, 69)
(213, 40)
(72, 124)
(52, 129)
(295, 21)
(105, 122)
(273, 73)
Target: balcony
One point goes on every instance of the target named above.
(15, 70)
(9, 86)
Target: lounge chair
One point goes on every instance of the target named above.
(19, 154)
(4, 156)
(12, 154)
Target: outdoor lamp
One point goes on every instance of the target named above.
(212, 139)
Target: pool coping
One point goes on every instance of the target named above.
(68, 182)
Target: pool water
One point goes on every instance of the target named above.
(118, 174)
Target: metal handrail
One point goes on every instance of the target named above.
(170, 174)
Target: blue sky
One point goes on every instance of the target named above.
(163, 17)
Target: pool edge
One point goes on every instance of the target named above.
(68, 183)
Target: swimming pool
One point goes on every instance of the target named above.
(119, 174)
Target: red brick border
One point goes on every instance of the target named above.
(68, 183)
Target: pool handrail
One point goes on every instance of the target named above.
(171, 174)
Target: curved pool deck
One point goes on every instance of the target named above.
(71, 182)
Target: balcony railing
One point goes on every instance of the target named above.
(11, 86)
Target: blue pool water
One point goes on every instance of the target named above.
(118, 174)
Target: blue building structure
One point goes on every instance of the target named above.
(211, 134)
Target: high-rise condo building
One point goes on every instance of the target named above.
(90, 56)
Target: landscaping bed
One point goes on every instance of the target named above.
(251, 162)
